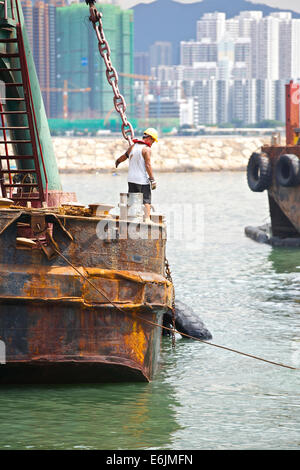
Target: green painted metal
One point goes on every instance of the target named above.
(7, 30)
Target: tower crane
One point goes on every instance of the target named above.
(146, 79)
(65, 90)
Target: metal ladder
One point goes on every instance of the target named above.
(20, 185)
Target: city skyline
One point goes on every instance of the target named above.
(232, 70)
(235, 69)
(281, 4)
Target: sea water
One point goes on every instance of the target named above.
(202, 397)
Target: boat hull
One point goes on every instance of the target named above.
(93, 314)
(58, 343)
(283, 201)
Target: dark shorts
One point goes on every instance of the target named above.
(141, 188)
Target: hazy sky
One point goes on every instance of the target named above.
(282, 4)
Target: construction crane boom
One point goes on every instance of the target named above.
(65, 90)
(146, 79)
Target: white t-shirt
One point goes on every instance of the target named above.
(137, 172)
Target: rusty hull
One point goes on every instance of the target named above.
(284, 202)
(57, 327)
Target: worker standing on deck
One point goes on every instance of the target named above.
(140, 174)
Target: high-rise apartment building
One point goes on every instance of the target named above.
(265, 100)
(248, 19)
(289, 40)
(201, 71)
(44, 51)
(243, 105)
(211, 26)
(165, 73)
(160, 53)
(280, 108)
(27, 13)
(267, 47)
(205, 50)
(40, 22)
(223, 104)
(242, 51)
(187, 53)
(248, 26)
(205, 92)
(232, 28)
(239, 71)
(141, 63)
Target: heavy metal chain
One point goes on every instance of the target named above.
(169, 277)
(111, 73)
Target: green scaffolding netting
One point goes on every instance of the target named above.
(80, 64)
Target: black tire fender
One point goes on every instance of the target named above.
(287, 170)
(259, 172)
(186, 322)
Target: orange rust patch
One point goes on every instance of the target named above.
(136, 342)
(38, 286)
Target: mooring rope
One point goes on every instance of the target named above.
(172, 330)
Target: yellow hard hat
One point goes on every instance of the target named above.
(152, 132)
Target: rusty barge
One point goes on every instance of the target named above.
(276, 170)
(82, 292)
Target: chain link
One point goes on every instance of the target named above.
(111, 73)
(169, 277)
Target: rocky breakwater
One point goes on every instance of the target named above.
(178, 154)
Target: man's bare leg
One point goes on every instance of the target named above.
(147, 210)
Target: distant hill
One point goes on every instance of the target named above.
(168, 20)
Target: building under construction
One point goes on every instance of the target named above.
(78, 62)
(65, 64)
